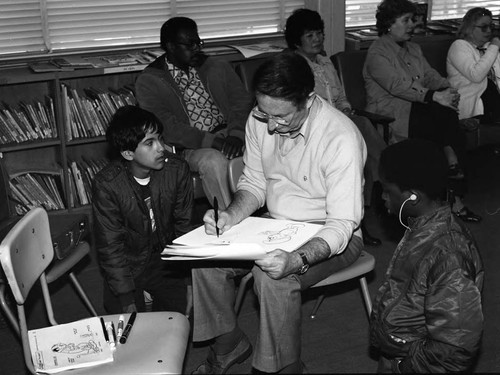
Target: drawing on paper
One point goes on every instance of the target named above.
(283, 235)
(72, 348)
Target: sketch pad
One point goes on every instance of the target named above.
(249, 240)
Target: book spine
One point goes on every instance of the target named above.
(66, 112)
(79, 184)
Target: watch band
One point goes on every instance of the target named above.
(305, 266)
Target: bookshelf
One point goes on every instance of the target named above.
(52, 128)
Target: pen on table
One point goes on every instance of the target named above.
(216, 215)
(106, 337)
(111, 334)
(121, 321)
(128, 327)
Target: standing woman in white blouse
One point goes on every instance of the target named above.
(473, 67)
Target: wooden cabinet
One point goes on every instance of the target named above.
(49, 153)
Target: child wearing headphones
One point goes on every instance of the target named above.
(427, 315)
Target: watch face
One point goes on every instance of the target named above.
(304, 269)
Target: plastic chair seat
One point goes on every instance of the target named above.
(364, 264)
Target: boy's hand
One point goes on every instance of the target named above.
(130, 308)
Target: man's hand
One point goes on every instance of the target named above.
(232, 147)
(279, 263)
(224, 223)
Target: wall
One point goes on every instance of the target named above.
(333, 14)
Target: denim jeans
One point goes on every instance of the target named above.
(279, 335)
(212, 166)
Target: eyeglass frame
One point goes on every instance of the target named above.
(485, 28)
(191, 46)
(264, 117)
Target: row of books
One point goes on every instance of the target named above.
(87, 114)
(28, 122)
(45, 190)
(81, 174)
(36, 190)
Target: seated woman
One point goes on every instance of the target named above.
(304, 33)
(472, 62)
(400, 83)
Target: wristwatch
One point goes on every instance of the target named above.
(305, 266)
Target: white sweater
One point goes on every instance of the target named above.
(468, 72)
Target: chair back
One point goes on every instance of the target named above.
(349, 65)
(235, 170)
(26, 251)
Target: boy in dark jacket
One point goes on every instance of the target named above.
(140, 204)
(427, 315)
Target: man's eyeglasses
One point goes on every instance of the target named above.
(193, 44)
(264, 117)
(485, 28)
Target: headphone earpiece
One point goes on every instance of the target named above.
(413, 197)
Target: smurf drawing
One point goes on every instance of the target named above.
(283, 235)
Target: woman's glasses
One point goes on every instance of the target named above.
(485, 28)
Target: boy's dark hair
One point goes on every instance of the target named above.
(301, 21)
(416, 164)
(129, 126)
(389, 10)
(171, 28)
(285, 76)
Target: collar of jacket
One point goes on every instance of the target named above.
(439, 214)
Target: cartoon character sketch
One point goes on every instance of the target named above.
(283, 235)
(72, 348)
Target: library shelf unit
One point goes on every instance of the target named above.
(55, 155)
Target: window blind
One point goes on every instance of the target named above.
(57, 25)
(20, 26)
(362, 13)
(446, 9)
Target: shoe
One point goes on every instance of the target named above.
(370, 241)
(455, 172)
(220, 363)
(467, 215)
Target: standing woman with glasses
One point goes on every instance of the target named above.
(473, 67)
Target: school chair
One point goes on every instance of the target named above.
(363, 265)
(70, 252)
(157, 343)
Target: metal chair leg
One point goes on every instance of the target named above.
(241, 292)
(366, 295)
(82, 294)
(7, 310)
(316, 306)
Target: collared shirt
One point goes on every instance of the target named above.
(327, 83)
(395, 76)
(317, 175)
(203, 113)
